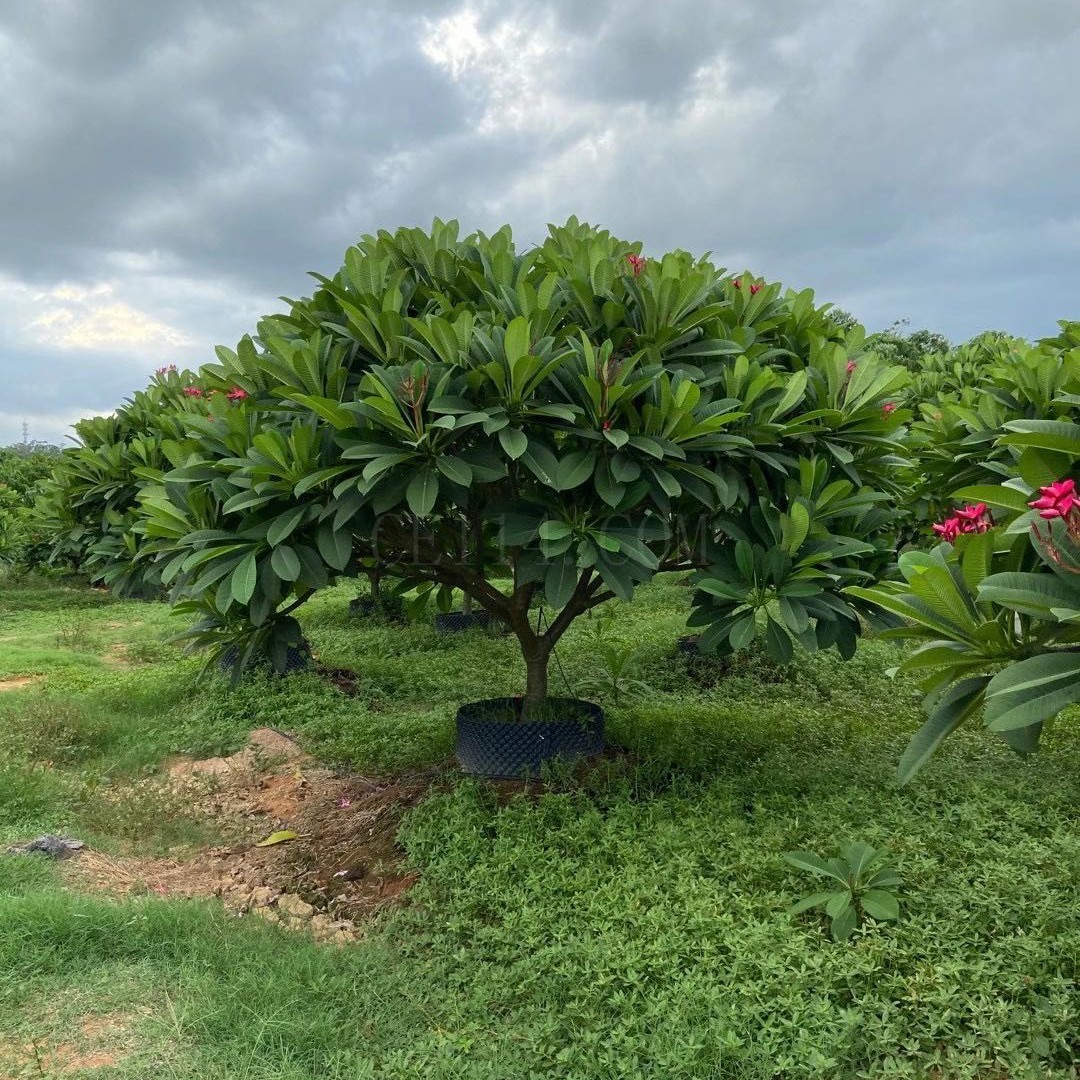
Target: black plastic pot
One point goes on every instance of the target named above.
(492, 745)
(296, 659)
(366, 607)
(688, 645)
(457, 622)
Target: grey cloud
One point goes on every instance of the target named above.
(910, 159)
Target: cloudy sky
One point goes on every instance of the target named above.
(169, 167)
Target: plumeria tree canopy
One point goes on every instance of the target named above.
(555, 425)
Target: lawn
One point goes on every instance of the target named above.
(628, 923)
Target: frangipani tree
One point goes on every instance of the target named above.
(996, 606)
(559, 424)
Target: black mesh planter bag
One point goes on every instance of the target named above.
(457, 622)
(296, 659)
(367, 607)
(688, 645)
(491, 744)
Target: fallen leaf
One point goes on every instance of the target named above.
(277, 838)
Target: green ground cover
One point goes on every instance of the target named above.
(631, 925)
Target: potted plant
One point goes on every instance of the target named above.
(559, 424)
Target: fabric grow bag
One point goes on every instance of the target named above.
(489, 744)
(296, 659)
(456, 622)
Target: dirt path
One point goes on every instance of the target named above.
(341, 865)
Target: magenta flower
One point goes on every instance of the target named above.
(637, 263)
(192, 391)
(851, 366)
(888, 407)
(236, 394)
(975, 518)
(968, 519)
(1056, 500)
(755, 288)
(737, 283)
(949, 529)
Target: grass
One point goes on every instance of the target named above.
(633, 925)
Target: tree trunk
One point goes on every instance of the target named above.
(375, 578)
(536, 679)
(466, 603)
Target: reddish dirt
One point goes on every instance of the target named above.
(19, 683)
(343, 866)
(102, 1041)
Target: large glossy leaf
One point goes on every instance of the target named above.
(1032, 690)
(1032, 594)
(422, 492)
(956, 705)
(244, 577)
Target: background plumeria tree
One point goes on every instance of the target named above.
(554, 425)
(997, 606)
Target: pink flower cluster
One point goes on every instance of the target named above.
(888, 407)
(235, 394)
(851, 366)
(165, 370)
(1059, 501)
(637, 263)
(1056, 500)
(969, 519)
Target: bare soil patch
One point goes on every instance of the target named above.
(20, 682)
(342, 867)
(99, 1041)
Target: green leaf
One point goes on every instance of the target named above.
(880, 905)
(554, 530)
(560, 581)
(843, 926)
(284, 524)
(514, 442)
(455, 470)
(743, 632)
(778, 642)
(1032, 690)
(807, 860)
(244, 577)
(1032, 594)
(285, 563)
(956, 705)
(807, 902)
(335, 545)
(796, 524)
(997, 496)
(574, 469)
(422, 491)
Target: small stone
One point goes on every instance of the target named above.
(55, 847)
(293, 905)
(261, 897)
(322, 923)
